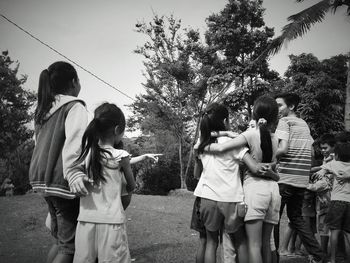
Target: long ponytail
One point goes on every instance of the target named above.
(265, 113)
(90, 145)
(45, 97)
(55, 80)
(214, 119)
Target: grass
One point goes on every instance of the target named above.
(158, 229)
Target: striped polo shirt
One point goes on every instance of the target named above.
(294, 167)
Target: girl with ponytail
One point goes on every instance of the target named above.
(101, 231)
(219, 193)
(261, 192)
(60, 120)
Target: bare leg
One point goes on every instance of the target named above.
(254, 234)
(52, 253)
(334, 244)
(211, 246)
(62, 258)
(240, 243)
(266, 246)
(201, 248)
(286, 240)
(324, 244)
(347, 245)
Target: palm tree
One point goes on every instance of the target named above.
(300, 23)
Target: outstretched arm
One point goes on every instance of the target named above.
(152, 156)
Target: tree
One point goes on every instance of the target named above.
(174, 82)
(239, 33)
(321, 86)
(300, 23)
(15, 105)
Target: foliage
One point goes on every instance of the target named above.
(15, 105)
(321, 86)
(15, 115)
(301, 22)
(239, 33)
(175, 83)
(157, 178)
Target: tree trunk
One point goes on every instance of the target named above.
(183, 179)
(347, 101)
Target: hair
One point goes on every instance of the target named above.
(266, 107)
(327, 138)
(342, 150)
(291, 99)
(52, 81)
(213, 120)
(106, 117)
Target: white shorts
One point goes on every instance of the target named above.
(263, 200)
(107, 242)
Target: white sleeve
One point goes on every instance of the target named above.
(75, 125)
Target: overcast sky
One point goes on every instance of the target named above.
(100, 36)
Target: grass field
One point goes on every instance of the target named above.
(158, 229)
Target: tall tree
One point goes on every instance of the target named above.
(238, 32)
(175, 81)
(322, 88)
(15, 114)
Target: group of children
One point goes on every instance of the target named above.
(327, 186)
(73, 158)
(222, 191)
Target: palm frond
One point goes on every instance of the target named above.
(301, 22)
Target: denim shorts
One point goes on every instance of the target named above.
(338, 216)
(64, 214)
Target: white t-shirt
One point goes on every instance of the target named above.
(103, 203)
(220, 179)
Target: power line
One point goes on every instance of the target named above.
(62, 55)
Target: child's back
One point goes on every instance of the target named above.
(103, 204)
(220, 180)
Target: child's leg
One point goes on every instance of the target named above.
(286, 240)
(254, 233)
(334, 244)
(201, 247)
(266, 238)
(52, 253)
(240, 244)
(324, 243)
(229, 253)
(347, 245)
(211, 246)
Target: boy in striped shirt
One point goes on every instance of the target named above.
(294, 153)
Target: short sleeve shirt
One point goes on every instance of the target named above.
(253, 138)
(294, 167)
(220, 178)
(103, 203)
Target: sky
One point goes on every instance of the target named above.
(100, 36)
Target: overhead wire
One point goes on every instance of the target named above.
(64, 56)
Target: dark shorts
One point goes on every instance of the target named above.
(217, 215)
(338, 216)
(196, 223)
(64, 214)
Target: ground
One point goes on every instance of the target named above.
(158, 229)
